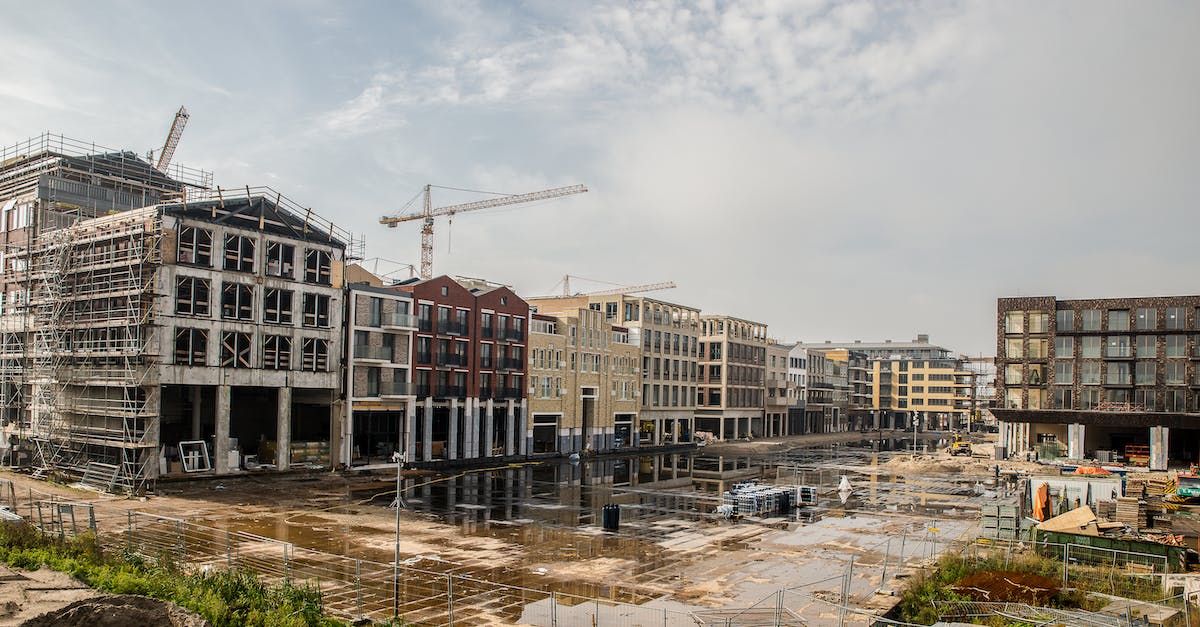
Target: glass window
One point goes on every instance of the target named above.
(1037, 399)
(1176, 346)
(1118, 396)
(1117, 373)
(1118, 320)
(1090, 347)
(1091, 319)
(1039, 322)
(1175, 372)
(1039, 348)
(1012, 399)
(1064, 319)
(1144, 398)
(1089, 398)
(1146, 346)
(1144, 374)
(1037, 376)
(1013, 349)
(1062, 398)
(1064, 372)
(1013, 375)
(1173, 401)
(1147, 319)
(1118, 346)
(1014, 322)
(1064, 347)
(1089, 373)
(1174, 318)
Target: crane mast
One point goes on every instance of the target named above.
(168, 150)
(428, 213)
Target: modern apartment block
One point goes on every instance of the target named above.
(1100, 375)
(777, 387)
(197, 333)
(668, 336)
(797, 373)
(380, 399)
(731, 397)
(468, 370)
(584, 382)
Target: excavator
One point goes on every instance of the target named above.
(961, 445)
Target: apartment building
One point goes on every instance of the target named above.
(380, 399)
(731, 396)
(584, 382)
(778, 397)
(797, 374)
(468, 370)
(199, 333)
(1100, 375)
(852, 387)
(667, 334)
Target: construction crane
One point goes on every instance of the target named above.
(627, 289)
(429, 213)
(168, 150)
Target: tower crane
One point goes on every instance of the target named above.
(168, 150)
(429, 213)
(627, 289)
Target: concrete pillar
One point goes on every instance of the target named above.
(473, 427)
(522, 428)
(510, 433)
(1075, 441)
(675, 431)
(221, 454)
(283, 429)
(409, 431)
(427, 437)
(735, 427)
(489, 430)
(195, 395)
(452, 431)
(1159, 445)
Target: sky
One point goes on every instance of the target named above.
(838, 171)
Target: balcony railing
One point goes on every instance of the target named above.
(424, 324)
(511, 335)
(485, 393)
(378, 353)
(451, 359)
(421, 390)
(451, 391)
(451, 327)
(511, 364)
(487, 332)
(395, 388)
(511, 393)
(401, 320)
(486, 363)
(424, 357)
(1118, 352)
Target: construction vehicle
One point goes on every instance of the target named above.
(961, 446)
(1187, 488)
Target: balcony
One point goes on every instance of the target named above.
(1118, 352)
(487, 332)
(511, 364)
(401, 321)
(515, 393)
(485, 363)
(424, 357)
(424, 324)
(421, 391)
(395, 388)
(449, 327)
(451, 391)
(374, 353)
(485, 393)
(451, 359)
(511, 335)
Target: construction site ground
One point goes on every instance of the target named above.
(908, 503)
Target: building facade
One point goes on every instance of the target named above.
(731, 397)
(778, 398)
(1100, 375)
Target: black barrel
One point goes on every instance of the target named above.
(610, 517)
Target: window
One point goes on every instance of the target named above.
(1062, 398)
(277, 306)
(1117, 373)
(1118, 320)
(1039, 322)
(235, 350)
(1064, 372)
(1064, 319)
(1089, 347)
(1176, 346)
(237, 302)
(316, 310)
(195, 246)
(1089, 373)
(277, 352)
(1145, 399)
(1089, 398)
(1064, 347)
(1174, 318)
(1118, 346)
(1146, 346)
(317, 267)
(314, 355)
(191, 296)
(281, 259)
(1014, 349)
(1147, 319)
(191, 347)
(1039, 348)
(1144, 373)
(1091, 319)
(1175, 372)
(485, 355)
(1173, 400)
(239, 253)
(1014, 322)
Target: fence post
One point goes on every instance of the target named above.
(129, 531)
(664, 617)
(450, 597)
(887, 553)
(1065, 554)
(358, 586)
(179, 540)
(287, 567)
(228, 551)
(553, 609)
(779, 608)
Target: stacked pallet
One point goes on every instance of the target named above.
(751, 499)
(1131, 511)
(1106, 509)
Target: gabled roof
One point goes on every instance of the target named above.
(255, 213)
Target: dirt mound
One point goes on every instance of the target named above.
(118, 610)
(1005, 585)
(922, 464)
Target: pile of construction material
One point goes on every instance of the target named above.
(1001, 521)
(752, 499)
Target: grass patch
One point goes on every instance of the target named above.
(226, 599)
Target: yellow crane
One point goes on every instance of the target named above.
(428, 213)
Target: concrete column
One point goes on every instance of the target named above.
(409, 431)
(489, 430)
(1159, 445)
(522, 427)
(510, 434)
(675, 431)
(452, 431)
(735, 427)
(283, 429)
(221, 454)
(1075, 441)
(427, 437)
(473, 426)
(195, 395)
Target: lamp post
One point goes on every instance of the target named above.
(396, 563)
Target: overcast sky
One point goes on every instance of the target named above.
(838, 171)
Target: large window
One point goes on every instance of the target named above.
(1064, 320)
(1118, 319)
(1175, 318)
(194, 247)
(235, 350)
(1089, 373)
(1091, 319)
(1147, 319)
(1064, 372)
(237, 302)
(1064, 347)
(1145, 398)
(1039, 348)
(1013, 349)
(277, 306)
(316, 310)
(1173, 400)
(1176, 346)
(1013, 374)
(191, 296)
(1117, 373)
(277, 352)
(239, 253)
(1175, 372)
(317, 267)
(1090, 347)
(1062, 398)
(1146, 346)
(1039, 322)
(191, 347)
(1014, 322)
(1089, 398)
(315, 357)
(1144, 373)
(281, 259)
(1118, 346)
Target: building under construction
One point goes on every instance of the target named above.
(152, 324)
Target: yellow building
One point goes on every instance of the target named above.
(937, 393)
(583, 382)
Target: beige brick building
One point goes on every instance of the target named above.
(733, 360)
(583, 381)
(778, 398)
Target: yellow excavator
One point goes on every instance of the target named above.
(961, 446)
